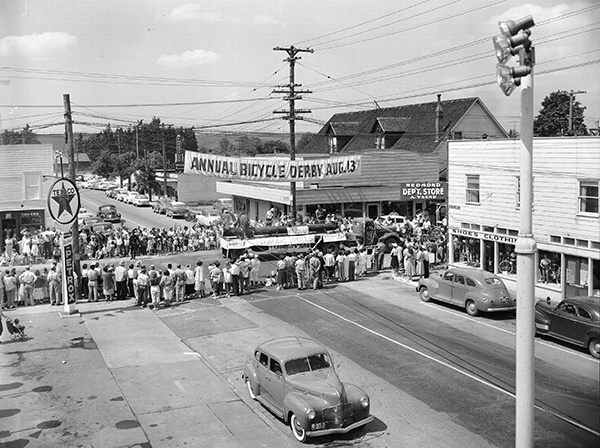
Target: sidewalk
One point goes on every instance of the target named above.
(97, 379)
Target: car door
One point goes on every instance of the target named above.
(446, 284)
(276, 383)
(459, 289)
(564, 321)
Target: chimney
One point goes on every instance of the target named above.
(439, 114)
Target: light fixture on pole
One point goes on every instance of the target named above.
(513, 40)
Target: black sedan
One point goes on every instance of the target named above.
(575, 320)
(109, 213)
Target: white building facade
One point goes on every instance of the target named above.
(483, 210)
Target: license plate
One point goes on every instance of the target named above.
(320, 425)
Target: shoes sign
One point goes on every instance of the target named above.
(64, 201)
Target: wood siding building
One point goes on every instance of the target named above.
(483, 215)
(26, 174)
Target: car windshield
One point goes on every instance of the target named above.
(493, 281)
(307, 364)
(178, 204)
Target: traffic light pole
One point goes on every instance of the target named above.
(526, 274)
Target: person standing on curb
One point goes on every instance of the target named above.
(92, 284)
(329, 266)
(27, 281)
(352, 265)
(10, 289)
(216, 278)
(179, 284)
(315, 271)
(143, 285)
(154, 288)
(189, 281)
(254, 270)
(301, 272)
(227, 280)
(85, 291)
(167, 283)
(108, 283)
(54, 284)
(121, 281)
(235, 278)
(200, 280)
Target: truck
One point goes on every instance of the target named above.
(367, 232)
(280, 239)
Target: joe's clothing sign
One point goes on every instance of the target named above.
(267, 169)
(423, 190)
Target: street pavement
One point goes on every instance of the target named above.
(115, 375)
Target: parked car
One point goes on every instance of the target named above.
(296, 380)
(222, 203)
(176, 209)
(575, 320)
(109, 213)
(160, 206)
(123, 194)
(139, 200)
(91, 221)
(474, 289)
(82, 215)
(208, 217)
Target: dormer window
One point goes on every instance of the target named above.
(388, 130)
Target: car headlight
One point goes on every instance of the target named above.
(310, 414)
(364, 401)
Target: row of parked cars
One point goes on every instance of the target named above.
(129, 197)
(575, 320)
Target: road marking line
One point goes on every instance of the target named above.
(445, 364)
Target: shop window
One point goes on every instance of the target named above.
(32, 183)
(569, 241)
(555, 239)
(472, 189)
(595, 245)
(488, 229)
(513, 232)
(475, 227)
(465, 225)
(549, 268)
(588, 197)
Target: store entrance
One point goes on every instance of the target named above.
(488, 263)
(7, 227)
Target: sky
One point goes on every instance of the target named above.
(211, 64)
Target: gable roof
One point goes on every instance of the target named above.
(416, 123)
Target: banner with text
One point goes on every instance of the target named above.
(251, 168)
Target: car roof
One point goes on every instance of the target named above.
(107, 205)
(477, 274)
(589, 301)
(291, 347)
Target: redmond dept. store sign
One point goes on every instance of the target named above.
(410, 191)
(484, 235)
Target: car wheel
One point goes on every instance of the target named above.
(297, 429)
(594, 348)
(424, 294)
(471, 308)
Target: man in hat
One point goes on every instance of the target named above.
(27, 280)
(121, 280)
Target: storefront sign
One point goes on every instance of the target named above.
(68, 269)
(251, 168)
(423, 190)
(484, 235)
(64, 201)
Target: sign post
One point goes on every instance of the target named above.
(63, 205)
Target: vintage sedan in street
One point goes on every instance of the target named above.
(176, 209)
(575, 320)
(295, 379)
(473, 289)
(109, 213)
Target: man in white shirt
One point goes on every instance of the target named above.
(121, 281)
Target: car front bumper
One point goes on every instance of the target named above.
(344, 430)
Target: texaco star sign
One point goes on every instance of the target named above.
(64, 201)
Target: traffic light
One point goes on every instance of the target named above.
(513, 40)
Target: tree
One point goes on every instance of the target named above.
(24, 137)
(304, 141)
(553, 119)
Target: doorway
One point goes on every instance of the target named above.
(372, 211)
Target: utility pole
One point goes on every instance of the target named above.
(571, 96)
(72, 176)
(292, 96)
(164, 152)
